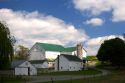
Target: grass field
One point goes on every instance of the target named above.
(12, 79)
(83, 72)
(117, 76)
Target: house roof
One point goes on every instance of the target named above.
(72, 57)
(17, 63)
(55, 47)
(37, 61)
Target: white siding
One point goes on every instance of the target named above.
(63, 64)
(84, 53)
(66, 65)
(21, 71)
(51, 54)
(69, 53)
(75, 66)
(74, 53)
(42, 65)
(36, 54)
(23, 68)
(56, 65)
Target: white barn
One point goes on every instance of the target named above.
(42, 51)
(68, 63)
(22, 67)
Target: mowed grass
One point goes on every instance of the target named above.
(10, 80)
(116, 77)
(13, 79)
(82, 72)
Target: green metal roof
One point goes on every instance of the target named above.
(70, 49)
(50, 47)
(55, 47)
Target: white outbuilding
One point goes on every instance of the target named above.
(23, 67)
(39, 64)
(68, 63)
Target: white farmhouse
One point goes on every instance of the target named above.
(68, 63)
(22, 67)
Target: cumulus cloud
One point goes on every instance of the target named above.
(31, 27)
(96, 7)
(95, 22)
(92, 45)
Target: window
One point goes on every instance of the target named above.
(61, 67)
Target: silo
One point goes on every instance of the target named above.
(79, 50)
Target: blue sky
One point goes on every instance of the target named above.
(93, 19)
(65, 10)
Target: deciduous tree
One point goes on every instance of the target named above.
(6, 46)
(21, 52)
(112, 51)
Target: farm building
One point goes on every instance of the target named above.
(42, 51)
(51, 64)
(68, 63)
(39, 63)
(22, 67)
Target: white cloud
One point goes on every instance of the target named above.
(92, 45)
(31, 27)
(96, 7)
(95, 22)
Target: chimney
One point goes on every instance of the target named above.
(58, 63)
(79, 50)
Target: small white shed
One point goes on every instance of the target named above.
(22, 67)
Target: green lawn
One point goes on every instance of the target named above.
(83, 72)
(116, 77)
(91, 58)
(12, 79)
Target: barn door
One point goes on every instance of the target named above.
(28, 70)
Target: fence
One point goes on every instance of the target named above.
(8, 75)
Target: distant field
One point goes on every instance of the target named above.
(91, 58)
(83, 72)
(116, 77)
